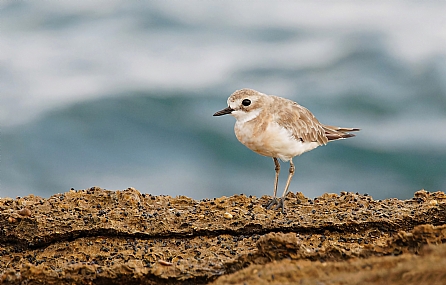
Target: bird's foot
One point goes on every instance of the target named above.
(278, 202)
(272, 203)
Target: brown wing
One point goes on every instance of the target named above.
(336, 133)
(300, 121)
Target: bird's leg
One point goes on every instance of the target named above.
(281, 202)
(276, 182)
(277, 169)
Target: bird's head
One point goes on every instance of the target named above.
(244, 104)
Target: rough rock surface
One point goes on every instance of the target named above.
(97, 236)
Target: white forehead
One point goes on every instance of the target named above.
(232, 102)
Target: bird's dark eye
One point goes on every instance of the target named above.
(246, 102)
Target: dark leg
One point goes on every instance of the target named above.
(276, 182)
(282, 199)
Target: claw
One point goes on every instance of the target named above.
(272, 203)
(279, 204)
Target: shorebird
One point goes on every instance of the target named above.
(279, 128)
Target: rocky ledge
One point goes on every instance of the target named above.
(96, 236)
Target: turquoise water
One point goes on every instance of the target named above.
(123, 96)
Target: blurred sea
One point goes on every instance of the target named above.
(121, 94)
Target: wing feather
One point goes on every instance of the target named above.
(300, 122)
(336, 133)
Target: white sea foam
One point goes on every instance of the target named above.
(57, 53)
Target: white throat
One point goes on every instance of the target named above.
(243, 117)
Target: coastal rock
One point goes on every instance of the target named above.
(124, 237)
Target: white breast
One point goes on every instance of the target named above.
(274, 141)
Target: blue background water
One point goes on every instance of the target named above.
(119, 94)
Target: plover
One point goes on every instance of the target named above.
(279, 128)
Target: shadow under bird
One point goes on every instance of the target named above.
(279, 128)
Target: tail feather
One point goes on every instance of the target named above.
(336, 133)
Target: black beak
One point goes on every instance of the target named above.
(225, 111)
